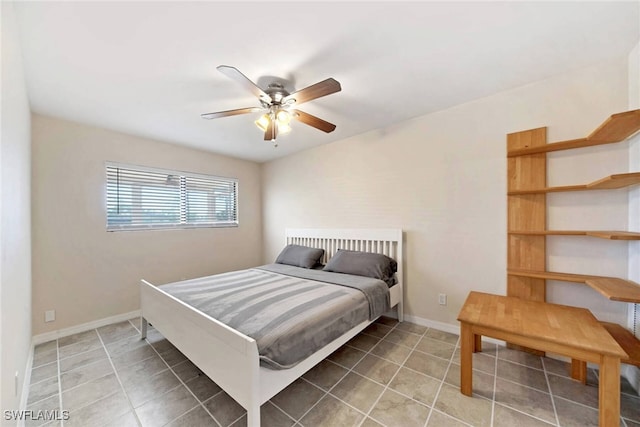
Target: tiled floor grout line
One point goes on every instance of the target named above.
(169, 391)
(386, 386)
(94, 401)
(449, 416)
(43, 379)
(279, 409)
(86, 382)
(79, 353)
(79, 342)
(394, 390)
(59, 381)
(411, 350)
(553, 403)
(380, 339)
(435, 398)
(577, 403)
(494, 402)
(283, 411)
(525, 413)
(200, 403)
(531, 388)
(42, 400)
(349, 370)
(495, 381)
(118, 379)
(522, 385)
(34, 366)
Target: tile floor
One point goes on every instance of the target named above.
(392, 374)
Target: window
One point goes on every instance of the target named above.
(141, 198)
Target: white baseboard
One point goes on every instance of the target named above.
(48, 336)
(454, 329)
(446, 327)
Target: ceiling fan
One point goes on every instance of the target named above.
(278, 104)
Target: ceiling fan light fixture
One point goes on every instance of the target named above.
(284, 118)
(263, 122)
(283, 128)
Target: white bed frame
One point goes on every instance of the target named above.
(229, 357)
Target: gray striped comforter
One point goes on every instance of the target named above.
(291, 312)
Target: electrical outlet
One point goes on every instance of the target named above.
(442, 299)
(49, 315)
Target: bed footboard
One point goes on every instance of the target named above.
(226, 356)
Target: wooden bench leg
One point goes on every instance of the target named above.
(467, 345)
(579, 370)
(609, 391)
(477, 344)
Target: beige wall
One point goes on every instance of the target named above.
(15, 211)
(86, 273)
(442, 178)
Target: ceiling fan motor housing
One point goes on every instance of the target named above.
(277, 93)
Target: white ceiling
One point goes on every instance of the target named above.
(149, 68)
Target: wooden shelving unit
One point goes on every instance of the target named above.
(526, 225)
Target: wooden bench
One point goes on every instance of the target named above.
(559, 329)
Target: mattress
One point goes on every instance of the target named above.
(290, 312)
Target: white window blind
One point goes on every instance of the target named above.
(147, 198)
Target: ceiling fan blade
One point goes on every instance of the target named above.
(228, 113)
(323, 88)
(236, 75)
(313, 121)
(271, 132)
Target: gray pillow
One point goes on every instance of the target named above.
(300, 256)
(366, 264)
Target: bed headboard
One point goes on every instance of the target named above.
(387, 241)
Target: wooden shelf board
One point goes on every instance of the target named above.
(556, 146)
(613, 288)
(610, 235)
(615, 235)
(616, 289)
(610, 182)
(616, 128)
(566, 277)
(629, 343)
(549, 233)
(616, 181)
